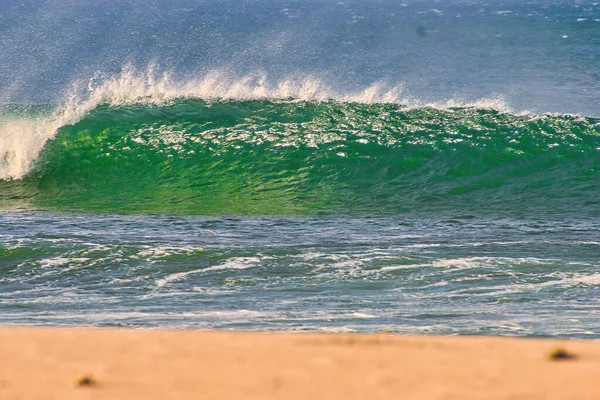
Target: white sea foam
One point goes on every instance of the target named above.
(362, 315)
(21, 141)
(23, 138)
(60, 261)
(232, 263)
(172, 278)
(236, 263)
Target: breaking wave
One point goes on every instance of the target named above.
(140, 143)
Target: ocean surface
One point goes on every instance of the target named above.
(416, 167)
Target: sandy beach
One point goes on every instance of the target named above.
(76, 363)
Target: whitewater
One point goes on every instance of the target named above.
(411, 167)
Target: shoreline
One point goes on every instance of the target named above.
(54, 363)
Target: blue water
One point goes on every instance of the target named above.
(407, 166)
(405, 274)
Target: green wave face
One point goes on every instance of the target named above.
(284, 157)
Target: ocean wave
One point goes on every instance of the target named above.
(160, 153)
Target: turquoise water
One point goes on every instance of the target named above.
(304, 166)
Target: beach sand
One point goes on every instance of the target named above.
(77, 363)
